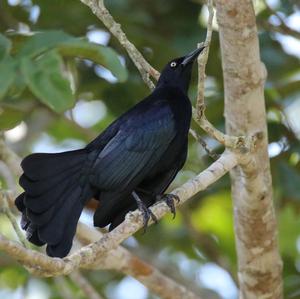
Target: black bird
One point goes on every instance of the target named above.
(128, 166)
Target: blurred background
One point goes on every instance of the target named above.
(38, 114)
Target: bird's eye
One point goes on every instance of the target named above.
(173, 64)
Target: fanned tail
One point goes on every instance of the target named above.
(55, 192)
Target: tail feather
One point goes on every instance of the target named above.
(31, 229)
(43, 166)
(44, 216)
(56, 190)
(110, 205)
(36, 188)
(53, 231)
(61, 248)
(43, 202)
(32, 235)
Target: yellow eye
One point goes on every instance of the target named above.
(173, 64)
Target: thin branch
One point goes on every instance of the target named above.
(63, 288)
(87, 256)
(282, 27)
(6, 210)
(199, 139)
(81, 282)
(146, 70)
(7, 176)
(10, 158)
(202, 59)
(199, 111)
(226, 140)
(134, 221)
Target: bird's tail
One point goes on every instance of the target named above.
(54, 195)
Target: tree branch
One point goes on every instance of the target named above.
(233, 142)
(199, 139)
(88, 256)
(145, 69)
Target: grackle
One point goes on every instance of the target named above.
(128, 166)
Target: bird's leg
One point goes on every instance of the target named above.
(169, 200)
(146, 212)
(146, 192)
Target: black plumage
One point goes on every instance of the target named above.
(129, 165)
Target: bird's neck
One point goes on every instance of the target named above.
(172, 84)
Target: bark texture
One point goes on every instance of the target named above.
(255, 224)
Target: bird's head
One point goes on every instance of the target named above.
(179, 70)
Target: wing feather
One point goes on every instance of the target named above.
(137, 146)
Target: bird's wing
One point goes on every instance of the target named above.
(138, 145)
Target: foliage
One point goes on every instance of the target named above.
(47, 66)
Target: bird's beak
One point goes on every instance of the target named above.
(189, 58)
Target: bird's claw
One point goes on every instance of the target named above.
(147, 214)
(169, 200)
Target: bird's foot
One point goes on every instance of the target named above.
(169, 200)
(146, 212)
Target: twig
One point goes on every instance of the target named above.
(6, 210)
(202, 59)
(7, 176)
(62, 286)
(199, 139)
(282, 27)
(10, 158)
(199, 111)
(84, 285)
(146, 70)
(228, 141)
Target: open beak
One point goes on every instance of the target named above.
(189, 58)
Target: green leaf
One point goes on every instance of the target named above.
(43, 41)
(45, 80)
(7, 74)
(5, 46)
(102, 55)
(10, 117)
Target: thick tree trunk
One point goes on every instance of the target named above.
(255, 224)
